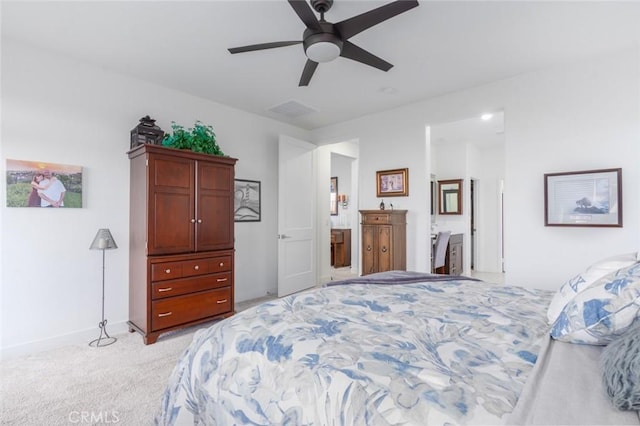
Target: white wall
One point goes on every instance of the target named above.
(575, 118)
(578, 116)
(60, 111)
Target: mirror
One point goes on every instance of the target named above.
(450, 196)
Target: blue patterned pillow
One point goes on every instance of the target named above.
(602, 311)
(620, 362)
(583, 280)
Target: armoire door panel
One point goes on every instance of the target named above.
(212, 177)
(172, 172)
(384, 249)
(214, 226)
(368, 250)
(172, 231)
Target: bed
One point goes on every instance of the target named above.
(393, 348)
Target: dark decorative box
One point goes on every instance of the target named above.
(146, 132)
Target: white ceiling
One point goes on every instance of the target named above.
(438, 47)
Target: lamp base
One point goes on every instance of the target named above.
(105, 340)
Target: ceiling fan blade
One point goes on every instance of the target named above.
(352, 26)
(303, 10)
(262, 46)
(351, 51)
(307, 73)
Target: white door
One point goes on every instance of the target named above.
(296, 216)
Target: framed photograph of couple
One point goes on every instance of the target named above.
(392, 183)
(40, 184)
(583, 198)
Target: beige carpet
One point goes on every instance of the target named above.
(119, 384)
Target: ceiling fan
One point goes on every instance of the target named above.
(324, 41)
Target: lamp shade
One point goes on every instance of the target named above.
(103, 241)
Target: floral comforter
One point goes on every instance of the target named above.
(433, 353)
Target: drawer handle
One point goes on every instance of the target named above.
(166, 314)
(168, 271)
(368, 248)
(221, 301)
(384, 249)
(220, 280)
(196, 267)
(221, 264)
(165, 289)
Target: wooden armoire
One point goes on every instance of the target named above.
(384, 240)
(181, 244)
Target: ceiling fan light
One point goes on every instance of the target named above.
(323, 51)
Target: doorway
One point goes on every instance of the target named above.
(473, 150)
(341, 254)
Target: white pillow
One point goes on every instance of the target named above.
(575, 285)
(603, 311)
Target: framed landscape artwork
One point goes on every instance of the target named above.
(40, 184)
(246, 201)
(584, 198)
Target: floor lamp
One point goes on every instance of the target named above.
(103, 241)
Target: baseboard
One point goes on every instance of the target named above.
(83, 336)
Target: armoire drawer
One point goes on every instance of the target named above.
(182, 309)
(163, 289)
(220, 264)
(178, 269)
(376, 219)
(182, 268)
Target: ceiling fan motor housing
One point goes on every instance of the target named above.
(321, 6)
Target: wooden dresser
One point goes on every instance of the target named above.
(181, 247)
(384, 243)
(340, 247)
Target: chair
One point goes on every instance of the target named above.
(440, 251)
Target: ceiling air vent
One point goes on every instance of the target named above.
(292, 109)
